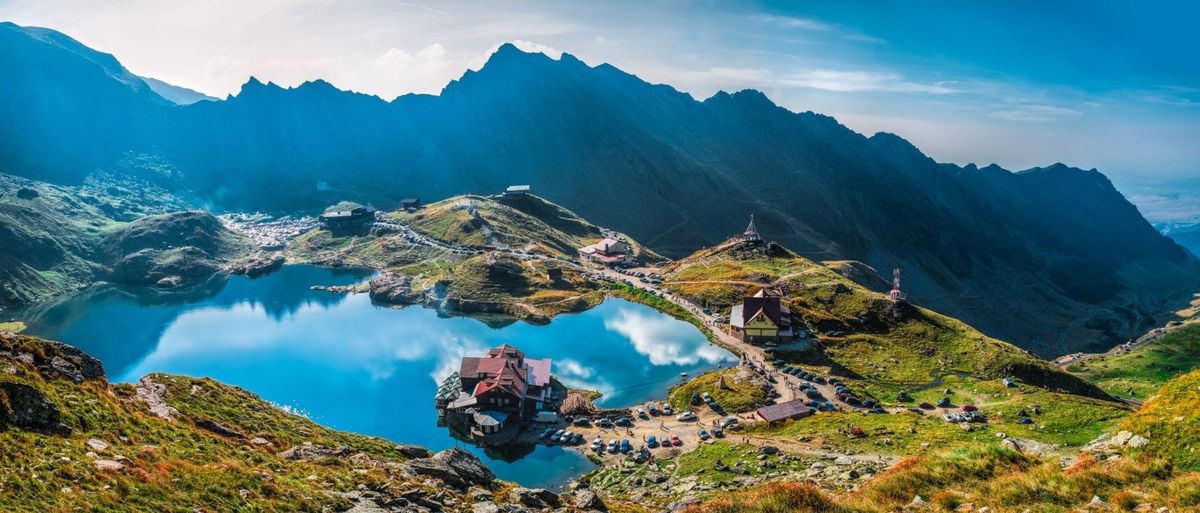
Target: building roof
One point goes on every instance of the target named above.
(785, 410)
(539, 372)
(506, 351)
(604, 249)
(760, 303)
(735, 317)
(505, 368)
(517, 188)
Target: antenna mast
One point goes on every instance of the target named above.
(895, 294)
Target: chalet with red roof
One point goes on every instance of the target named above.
(609, 252)
(761, 318)
(503, 388)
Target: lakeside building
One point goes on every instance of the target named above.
(794, 409)
(410, 204)
(357, 216)
(516, 190)
(761, 318)
(493, 397)
(608, 252)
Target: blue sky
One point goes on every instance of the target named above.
(1109, 85)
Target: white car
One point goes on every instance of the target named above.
(686, 416)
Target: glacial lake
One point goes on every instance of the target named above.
(351, 365)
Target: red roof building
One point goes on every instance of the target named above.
(505, 380)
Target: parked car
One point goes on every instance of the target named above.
(676, 441)
(582, 422)
(695, 399)
(612, 446)
(557, 435)
(718, 432)
(686, 416)
(605, 423)
(546, 434)
(652, 409)
(667, 409)
(652, 442)
(597, 444)
(625, 447)
(728, 421)
(624, 422)
(642, 414)
(703, 434)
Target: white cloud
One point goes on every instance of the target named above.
(424, 71)
(796, 22)
(1036, 113)
(862, 81)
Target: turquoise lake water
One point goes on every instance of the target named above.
(349, 364)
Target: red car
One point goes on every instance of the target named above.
(676, 441)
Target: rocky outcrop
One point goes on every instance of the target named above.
(153, 394)
(587, 500)
(25, 407)
(1028, 446)
(257, 265)
(455, 467)
(219, 428)
(394, 289)
(413, 451)
(534, 497)
(310, 452)
(1115, 443)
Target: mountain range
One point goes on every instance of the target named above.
(1054, 259)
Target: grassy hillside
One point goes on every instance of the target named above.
(525, 222)
(1144, 369)
(1000, 480)
(1158, 472)
(170, 249)
(891, 346)
(174, 443)
(531, 234)
(50, 235)
(885, 348)
(1170, 422)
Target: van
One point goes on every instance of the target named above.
(546, 416)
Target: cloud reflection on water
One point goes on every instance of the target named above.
(664, 340)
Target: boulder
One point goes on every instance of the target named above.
(218, 428)
(534, 497)
(97, 444)
(587, 500)
(110, 465)
(27, 408)
(683, 503)
(153, 394)
(455, 467)
(1028, 446)
(413, 451)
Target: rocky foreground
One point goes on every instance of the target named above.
(170, 443)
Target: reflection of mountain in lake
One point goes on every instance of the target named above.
(141, 315)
